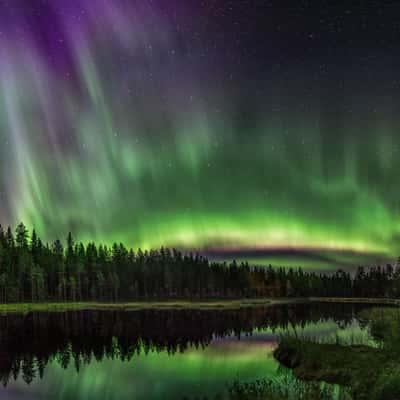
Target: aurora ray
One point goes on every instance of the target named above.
(133, 122)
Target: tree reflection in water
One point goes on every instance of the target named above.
(29, 342)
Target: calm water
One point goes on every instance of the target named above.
(153, 354)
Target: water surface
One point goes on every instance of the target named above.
(151, 354)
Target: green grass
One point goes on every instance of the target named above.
(356, 366)
(371, 373)
(176, 304)
(139, 305)
(285, 387)
(357, 300)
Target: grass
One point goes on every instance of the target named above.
(356, 300)
(288, 388)
(283, 387)
(176, 304)
(371, 373)
(139, 305)
(335, 364)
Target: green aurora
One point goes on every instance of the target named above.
(154, 151)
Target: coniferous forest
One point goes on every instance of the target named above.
(34, 271)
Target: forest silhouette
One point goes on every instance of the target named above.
(34, 271)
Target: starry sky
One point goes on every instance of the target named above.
(263, 130)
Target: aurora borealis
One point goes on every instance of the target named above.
(218, 126)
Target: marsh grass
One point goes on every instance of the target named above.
(284, 387)
(139, 305)
(368, 364)
(385, 329)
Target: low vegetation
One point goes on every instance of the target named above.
(369, 372)
(285, 387)
(139, 305)
(288, 388)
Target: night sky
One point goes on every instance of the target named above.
(255, 129)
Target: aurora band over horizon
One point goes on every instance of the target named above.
(121, 129)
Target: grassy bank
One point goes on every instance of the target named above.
(355, 366)
(371, 373)
(182, 304)
(139, 305)
(287, 387)
(356, 300)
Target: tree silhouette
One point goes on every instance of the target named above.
(33, 271)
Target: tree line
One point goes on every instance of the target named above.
(31, 270)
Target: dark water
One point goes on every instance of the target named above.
(153, 354)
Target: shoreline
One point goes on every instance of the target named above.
(355, 300)
(144, 305)
(183, 304)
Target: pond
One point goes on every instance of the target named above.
(155, 354)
